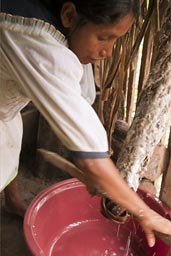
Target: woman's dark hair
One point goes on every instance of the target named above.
(98, 11)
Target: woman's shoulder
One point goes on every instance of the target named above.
(31, 27)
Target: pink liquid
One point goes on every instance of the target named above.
(92, 238)
(64, 220)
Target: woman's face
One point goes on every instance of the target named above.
(93, 42)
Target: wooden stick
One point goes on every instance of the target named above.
(68, 167)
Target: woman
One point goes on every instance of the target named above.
(47, 52)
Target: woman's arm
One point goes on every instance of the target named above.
(104, 174)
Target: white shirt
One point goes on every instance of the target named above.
(37, 65)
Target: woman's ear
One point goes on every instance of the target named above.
(69, 15)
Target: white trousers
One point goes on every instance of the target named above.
(10, 147)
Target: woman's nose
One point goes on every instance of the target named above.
(104, 53)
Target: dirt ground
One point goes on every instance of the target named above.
(12, 242)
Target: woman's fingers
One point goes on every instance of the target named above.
(150, 238)
(152, 224)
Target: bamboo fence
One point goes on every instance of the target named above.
(122, 77)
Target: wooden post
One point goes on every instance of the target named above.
(152, 113)
(165, 194)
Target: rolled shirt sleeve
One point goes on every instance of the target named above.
(49, 74)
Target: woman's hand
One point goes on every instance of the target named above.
(152, 223)
(103, 174)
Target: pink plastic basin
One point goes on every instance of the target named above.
(64, 220)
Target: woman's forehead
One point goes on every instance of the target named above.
(115, 29)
